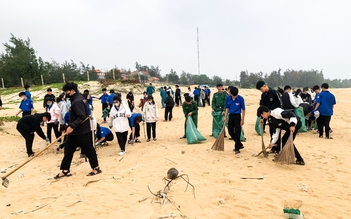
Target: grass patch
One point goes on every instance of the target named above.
(10, 118)
(6, 108)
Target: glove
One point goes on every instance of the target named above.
(56, 121)
(97, 144)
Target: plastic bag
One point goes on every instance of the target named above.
(217, 123)
(299, 112)
(192, 134)
(258, 127)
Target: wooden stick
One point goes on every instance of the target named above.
(171, 160)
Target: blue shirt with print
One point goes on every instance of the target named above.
(235, 106)
(104, 98)
(132, 119)
(103, 132)
(326, 101)
(26, 105)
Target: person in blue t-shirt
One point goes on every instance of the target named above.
(28, 94)
(196, 95)
(208, 95)
(26, 105)
(103, 135)
(235, 106)
(110, 98)
(325, 102)
(134, 121)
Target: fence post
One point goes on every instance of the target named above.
(88, 75)
(22, 82)
(42, 80)
(63, 78)
(2, 81)
(113, 71)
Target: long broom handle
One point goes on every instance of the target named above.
(35, 155)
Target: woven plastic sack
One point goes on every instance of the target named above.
(217, 123)
(299, 112)
(192, 134)
(258, 127)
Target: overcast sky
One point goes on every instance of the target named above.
(253, 35)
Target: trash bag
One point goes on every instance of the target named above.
(217, 123)
(105, 112)
(242, 137)
(299, 112)
(258, 127)
(192, 134)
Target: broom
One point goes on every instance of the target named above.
(287, 154)
(218, 145)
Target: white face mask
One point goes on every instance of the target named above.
(117, 104)
(150, 101)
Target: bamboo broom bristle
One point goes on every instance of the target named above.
(287, 154)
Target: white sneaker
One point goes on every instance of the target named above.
(121, 153)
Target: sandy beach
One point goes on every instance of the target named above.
(320, 189)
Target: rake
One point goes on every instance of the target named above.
(6, 182)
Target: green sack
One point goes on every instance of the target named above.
(299, 112)
(105, 112)
(217, 123)
(192, 134)
(258, 127)
(242, 137)
(315, 126)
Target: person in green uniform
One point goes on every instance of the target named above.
(189, 109)
(218, 110)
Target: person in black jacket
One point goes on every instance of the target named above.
(271, 99)
(281, 119)
(169, 103)
(28, 125)
(78, 133)
(47, 96)
(288, 99)
(178, 96)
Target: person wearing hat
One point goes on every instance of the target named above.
(118, 120)
(78, 133)
(218, 109)
(48, 95)
(178, 96)
(150, 90)
(26, 105)
(288, 100)
(30, 124)
(271, 99)
(53, 123)
(190, 108)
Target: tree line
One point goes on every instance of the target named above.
(19, 60)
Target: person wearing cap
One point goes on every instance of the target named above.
(190, 108)
(26, 105)
(150, 116)
(48, 95)
(325, 105)
(26, 90)
(282, 120)
(271, 99)
(218, 107)
(78, 133)
(235, 108)
(178, 96)
(118, 120)
(53, 123)
(288, 100)
(104, 98)
(30, 124)
(150, 90)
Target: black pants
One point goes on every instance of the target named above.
(108, 137)
(137, 131)
(85, 142)
(151, 126)
(178, 100)
(196, 99)
(208, 100)
(26, 114)
(323, 123)
(122, 139)
(56, 130)
(168, 113)
(104, 106)
(29, 137)
(287, 135)
(234, 129)
(203, 102)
